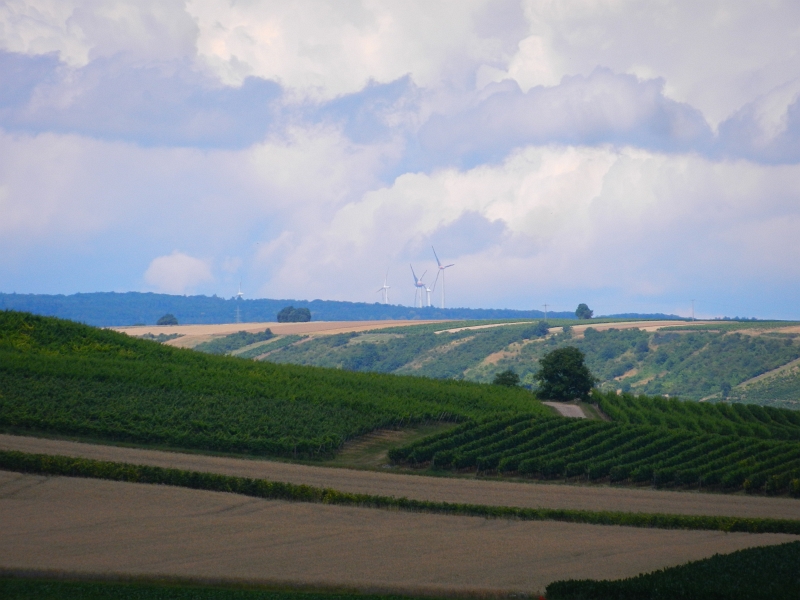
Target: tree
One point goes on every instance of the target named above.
(583, 312)
(290, 314)
(507, 378)
(167, 319)
(564, 376)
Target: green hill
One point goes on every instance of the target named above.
(64, 378)
(690, 361)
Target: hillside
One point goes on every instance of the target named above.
(60, 377)
(687, 360)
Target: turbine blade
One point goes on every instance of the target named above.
(435, 280)
(437, 257)
(450, 265)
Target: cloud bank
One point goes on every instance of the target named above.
(614, 153)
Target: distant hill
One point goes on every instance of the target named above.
(748, 362)
(107, 309)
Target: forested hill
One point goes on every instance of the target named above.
(110, 309)
(746, 361)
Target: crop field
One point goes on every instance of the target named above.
(761, 573)
(489, 492)
(192, 335)
(94, 526)
(726, 419)
(64, 378)
(557, 448)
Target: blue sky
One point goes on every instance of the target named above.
(630, 155)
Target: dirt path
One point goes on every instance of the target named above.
(567, 410)
(91, 526)
(490, 492)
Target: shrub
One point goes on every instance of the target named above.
(290, 314)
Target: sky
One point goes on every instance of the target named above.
(631, 155)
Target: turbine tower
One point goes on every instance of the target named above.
(429, 291)
(419, 285)
(441, 271)
(239, 296)
(385, 288)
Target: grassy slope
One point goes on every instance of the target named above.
(692, 362)
(69, 379)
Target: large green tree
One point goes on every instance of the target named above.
(583, 311)
(564, 376)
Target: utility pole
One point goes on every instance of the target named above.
(545, 311)
(693, 309)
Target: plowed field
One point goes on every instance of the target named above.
(490, 492)
(94, 526)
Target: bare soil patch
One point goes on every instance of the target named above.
(103, 527)
(445, 489)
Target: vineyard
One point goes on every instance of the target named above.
(725, 419)
(598, 451)
(64, 378)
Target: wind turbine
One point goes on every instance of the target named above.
(419, 285)
(441, 271)
(430, 290)
(385, 288)
(239, 296)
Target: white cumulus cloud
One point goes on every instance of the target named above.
(177, 273)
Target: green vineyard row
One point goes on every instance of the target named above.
(555, 447)
(725, 419)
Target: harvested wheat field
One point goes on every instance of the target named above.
(444, 489)
(103, 527)
(196, 334)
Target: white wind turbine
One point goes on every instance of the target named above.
(419, 285)
(385, 288)
(429, 291)
(441, 271)
(239, 296)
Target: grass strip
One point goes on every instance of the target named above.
(44, 464)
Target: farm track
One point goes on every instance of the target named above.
(83, 526)
(442, 489)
